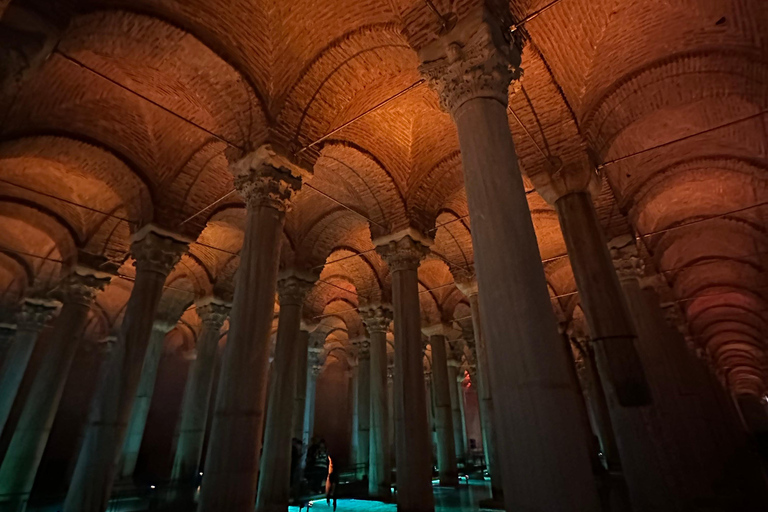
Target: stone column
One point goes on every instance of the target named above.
(197, 394)
(596, 403)
(488, 424)
(363, 405)
(34, 314)
(690, 441)
(314, 368)
(275, 479)
(391, 414)
(164, 322)
(7, 333)
(459, 443)
(754, 413)
(446, 450)
(414, 459)
(430, 416)
(19, 467)
(155, 252)
(267, 181)
(470, 69)
(354, 407)
(301, 384)
(377, 320)
(463, 413)
(610, 323)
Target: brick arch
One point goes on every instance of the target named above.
(60, 173)
(670, 82)
(324, 95)
(170, 66)
(332, 287)
(428, 195)
(642, 182)
(702, 188)
(358, 178)
(453, 239)
(365, 270)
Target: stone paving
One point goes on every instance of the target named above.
(464, 499)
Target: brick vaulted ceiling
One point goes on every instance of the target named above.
(129, 117)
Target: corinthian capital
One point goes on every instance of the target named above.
(292, 287)
(474, 60)
(157, 250)
(403, 251)
(376, 318)
(212, 312)
(34, 314)
(626, 259)
(267, 177)
(81, 286)
(363, 349)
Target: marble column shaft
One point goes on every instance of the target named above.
(610, 323)
(597, 405)
(314, 367)
(463, 414)
(414, 457)
(22, 459)
(471, 68)
(301, 384)
(197, 393)
(690, 433)
(488, 424)
(7, 334)
(234, 448)
(31, 320)
(363, 405)
(155, 254)
(143, 401)
(377, 321)
(275, 475)
(354, 406)
(446, 450)
(456, 421)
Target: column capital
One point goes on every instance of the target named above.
(443, 330)
(81, 285)
(376, 318)
(212, 312)
(106, 345)
(363, 349)
(293, 286)
(267, 177)
(626, 259)
(466, 285)
(403, 250)
(474, 60)
(557, 180)
(157, 250)
(674, 318)
(35, 314)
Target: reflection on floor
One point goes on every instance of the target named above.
(464, 499)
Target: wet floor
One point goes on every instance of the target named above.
(464, 499)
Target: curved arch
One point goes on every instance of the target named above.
(678, 79)
(338, 71)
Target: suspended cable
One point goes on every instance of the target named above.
(311, 187)
(681, 139)
(411, 87)
(533, 15)
(156, 104)
(208, 206)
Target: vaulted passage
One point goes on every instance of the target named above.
(414, 255)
